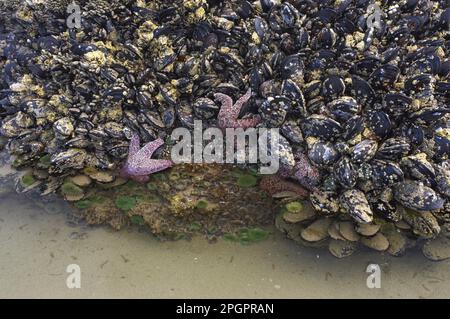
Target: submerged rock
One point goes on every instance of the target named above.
(437, 249)
(342, 248)
(205, 199)
(378, 242)
(317, 231)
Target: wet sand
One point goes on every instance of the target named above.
(38, 244)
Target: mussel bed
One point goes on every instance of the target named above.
(363, 108)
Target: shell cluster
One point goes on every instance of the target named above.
(363, 108)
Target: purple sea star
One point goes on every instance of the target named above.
(139, 163)
(303, 172)
(229, 112)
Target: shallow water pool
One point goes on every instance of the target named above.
(39, 242)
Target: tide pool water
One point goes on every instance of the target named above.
(40, 243)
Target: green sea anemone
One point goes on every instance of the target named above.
(125, 203)
(137, 220)
(195, 226)
(152, 186)
(247, 236)
(83, 204)
(201, 204)
(70, 189)
(27, 180)
(294, 207)
(45, 160)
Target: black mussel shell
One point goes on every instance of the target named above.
(394, 148)
(322, 59)
(380, 123)
(429, 115)
(168, 117)
(364, 151)
(291, 130)
(362, 91)
(273, 110)
(205, 108)
(387, 210)
(418, 167)
(291, 66)
(325, 203)
(443, 178)
(441, 149)
(312, 89)
(269, 88)
(419, 84)
(344, 26)
(323, 153)
(344, 108)
(396, 104)
(353, 127)
(321, 126)
(443, 88)
(345, 173)
(365, 67)
(333, 87)
(261, 28)
(390, 54)
(414, 134)
(416, 196)
(385, 75)
(283, 17)
(266, 5)
(385, 173)
(292, 91)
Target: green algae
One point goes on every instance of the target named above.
(129, 186)
(174, 176)
(45, 161)
(27, 180)
(83, 204)
(152, 186)
(90, 202)
(159, 176)
(70, 189)
(184, 199)
(125, 203)
(247, 236)
(195, 227)
(137, 220)
(202, 204)
(247, 181)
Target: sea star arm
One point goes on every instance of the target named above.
(229, 112)
(304, 172)
(225, 101)
(250, 121)
(133, 148)
(150, 148)
(226, 104)
(236, 108)
(146, 166)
